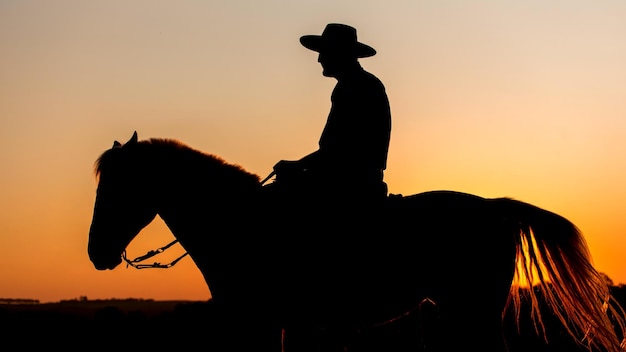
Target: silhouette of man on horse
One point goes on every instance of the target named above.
(348, 167)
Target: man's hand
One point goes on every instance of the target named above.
(287, 167)
(288, 170)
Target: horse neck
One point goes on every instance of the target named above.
(190, 206)
(201, 212)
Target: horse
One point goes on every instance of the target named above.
(287, 285)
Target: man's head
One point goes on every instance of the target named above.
(337, 47)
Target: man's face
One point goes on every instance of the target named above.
(332, 63)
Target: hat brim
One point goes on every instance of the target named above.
(318, 43)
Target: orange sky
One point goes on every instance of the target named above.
(524, 99)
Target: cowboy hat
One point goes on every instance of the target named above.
(338, 38)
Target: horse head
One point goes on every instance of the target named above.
(123, 205)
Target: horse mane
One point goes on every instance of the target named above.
(172, 149)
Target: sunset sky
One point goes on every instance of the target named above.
(525, 99)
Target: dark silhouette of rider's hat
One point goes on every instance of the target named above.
(338, 38)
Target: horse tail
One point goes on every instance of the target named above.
(553, 258)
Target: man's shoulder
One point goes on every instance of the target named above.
(370, 80)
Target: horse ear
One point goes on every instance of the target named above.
(133, 139)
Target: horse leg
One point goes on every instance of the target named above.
(252, 335)
(247, 326)
(303, 339)
(468, 315)
(473, 329)
(472, 318)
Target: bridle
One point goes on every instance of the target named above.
(135, 263)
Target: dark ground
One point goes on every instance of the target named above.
(130, 324)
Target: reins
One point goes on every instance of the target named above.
(135, 262)
(268, 177)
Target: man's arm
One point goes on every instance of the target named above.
(289, 166)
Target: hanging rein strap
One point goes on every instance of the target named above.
(135, 262)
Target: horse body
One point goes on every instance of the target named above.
(270, 273)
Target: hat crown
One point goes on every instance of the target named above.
(339, 34)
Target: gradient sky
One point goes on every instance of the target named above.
(525, 99)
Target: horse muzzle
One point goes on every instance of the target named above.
(106, 264)
(103, 256)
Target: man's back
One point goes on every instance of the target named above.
(357, 133)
